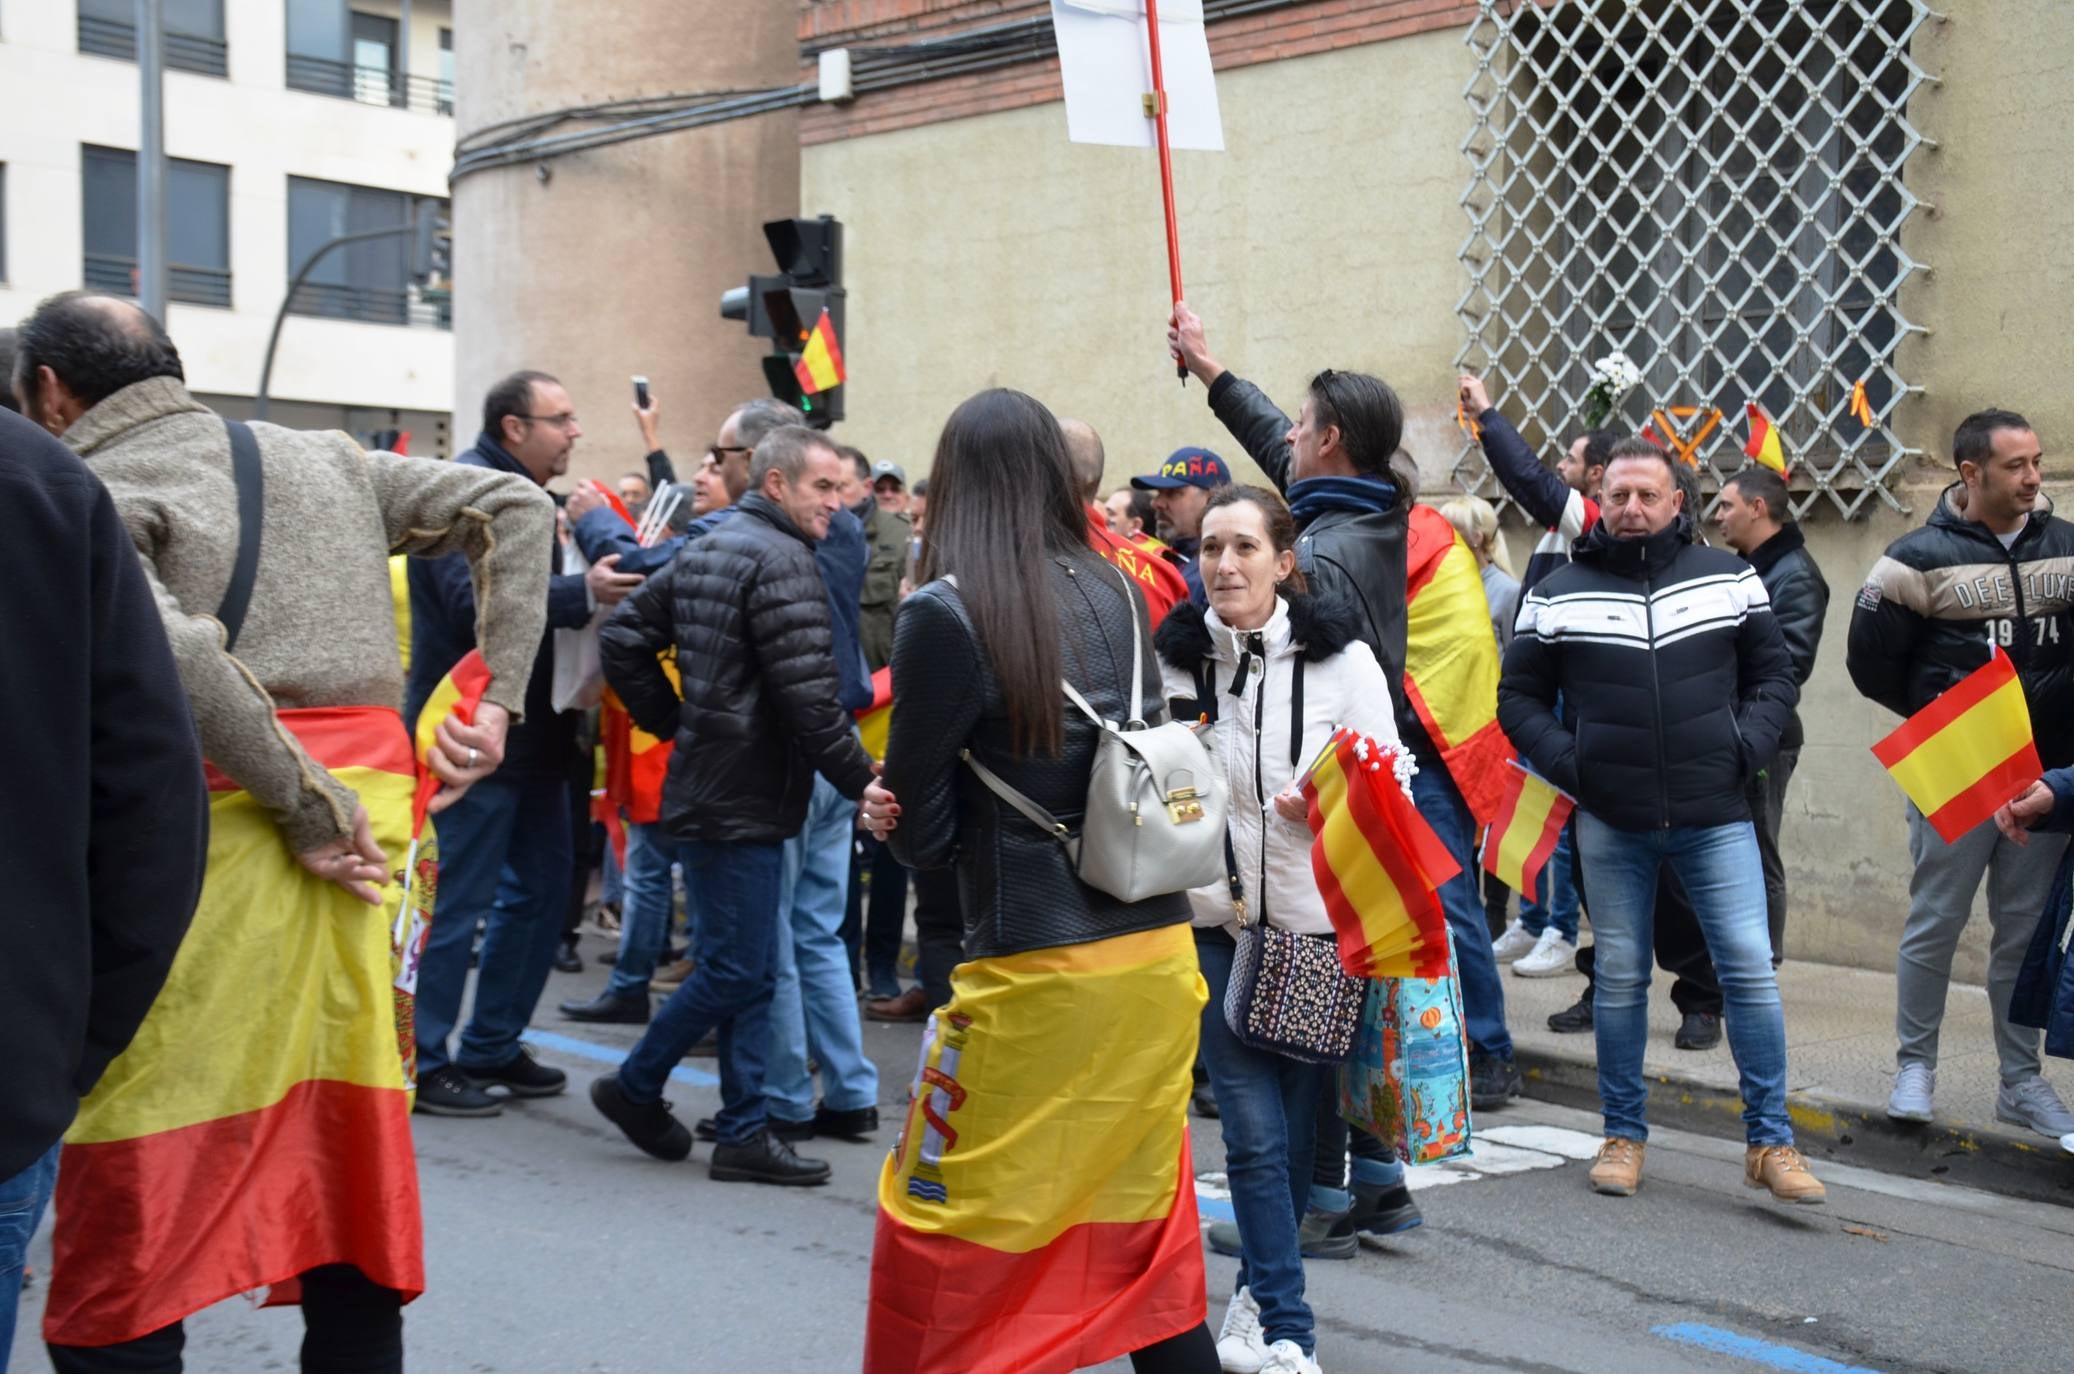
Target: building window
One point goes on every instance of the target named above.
(336, 51)
(1715, 190)
(367, 281)
(446, 71)
(197, 226)
(193, 38)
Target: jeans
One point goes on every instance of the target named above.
(517, 824)
(351, 1325)
(1483, 995)
(1717, 865)
(875, 914)
(814, 1004)
(1940, 902)
(22, 1200)
(1560, 910)
(1681, 950)
(730, 985)
(644, 921)
(1267, 1110)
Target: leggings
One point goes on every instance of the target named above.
(350, 1326)
(1191, 1352)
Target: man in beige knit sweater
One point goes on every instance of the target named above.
(277, 1030)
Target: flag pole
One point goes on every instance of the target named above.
(1157, 103)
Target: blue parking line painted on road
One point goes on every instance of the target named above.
(605, 1054)
(1757, 1352)
(1216, 1209)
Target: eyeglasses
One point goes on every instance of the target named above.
(718, 452)
(566, 420)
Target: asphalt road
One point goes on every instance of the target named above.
(556, 1248)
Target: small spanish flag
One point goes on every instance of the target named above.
(875, 722)
(1378, 863)
(820, 365)
(1524, 833)
(1967, 752)
(1861, 408)
(1764, 443)
(457, 695)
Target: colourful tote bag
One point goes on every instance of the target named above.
(1407, 1081)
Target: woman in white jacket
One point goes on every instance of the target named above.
(1275, 671)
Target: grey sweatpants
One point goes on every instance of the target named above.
(1940, 901)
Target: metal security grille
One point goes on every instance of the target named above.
(1713, 188)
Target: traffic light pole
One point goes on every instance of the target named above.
(266, 368)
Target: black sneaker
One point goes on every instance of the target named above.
(567, 960)
(853, 1126)
(1493, 1082)
(1326, 1235)
(1203, 1102)
(449, 1092)
(524, 1075)
(763, 1158)
(1571, 1020)
(1700, 1030)
(610, 1009)
(1380, 1211)
(648, 1124)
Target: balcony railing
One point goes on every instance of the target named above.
(190, 285)
(374, 305)
(190, 52)
(370, 85)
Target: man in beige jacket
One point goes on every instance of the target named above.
(258, 1126)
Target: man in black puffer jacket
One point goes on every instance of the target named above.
(1676, 684)
(747, 612)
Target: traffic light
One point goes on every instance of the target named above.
(786, 307)
(432, 245)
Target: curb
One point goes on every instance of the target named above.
(2024, 1166)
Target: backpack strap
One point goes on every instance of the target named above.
(250, 477)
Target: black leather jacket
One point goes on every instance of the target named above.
(1016, 882)
(1355, 557)
(747, 612)
(1800, 598)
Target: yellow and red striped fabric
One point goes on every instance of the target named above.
(820, 363)
(1451, 660)
(1524, 833)
(457, 695)
(875, 722)
(1038, 1213)
(636, 762)
(1764, 445)
(1378, 864)
(259, 1123)
(1966, 753)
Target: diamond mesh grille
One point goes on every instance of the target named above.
(1712, 187)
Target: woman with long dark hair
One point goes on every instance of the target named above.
(1038, 1213)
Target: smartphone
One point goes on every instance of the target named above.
(641, 392)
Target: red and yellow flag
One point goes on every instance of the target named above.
(636, 762)
(1524, 834)
(1764, 445)
(457, 695)
(1451, 660)
(1378, 863)
(875, 722)
(820, 365)
(1966, 753)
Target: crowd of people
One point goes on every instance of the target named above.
(201, 1004)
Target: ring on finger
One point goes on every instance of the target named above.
(471, 757)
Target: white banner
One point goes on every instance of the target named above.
(1105, 59)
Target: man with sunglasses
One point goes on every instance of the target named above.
(515, 820)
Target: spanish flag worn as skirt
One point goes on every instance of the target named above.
(1038, 1213)
(259, 1124)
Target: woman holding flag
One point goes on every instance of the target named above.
(1038, 1214)
(1274, 671)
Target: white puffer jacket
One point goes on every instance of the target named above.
(1343, 685)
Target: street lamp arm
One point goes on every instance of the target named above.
(266, 368)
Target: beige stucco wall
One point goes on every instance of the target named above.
(991, 251)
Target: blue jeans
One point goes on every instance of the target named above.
(1718, 866)
(814, 1004)
(1483, 995)
(516, 828)
(644, 921)
(1267, 1109)
(1560, 910)
(729, 988)
(22, 1200)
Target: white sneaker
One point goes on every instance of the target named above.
(1287, 1357)
(2067, 1142)
(1512, 944)
(1241, 1348)
(1551, 955)
(2033, 1105)
(1913, 1085)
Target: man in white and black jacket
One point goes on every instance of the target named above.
(1676, 685)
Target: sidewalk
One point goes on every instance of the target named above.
(1840, 1068)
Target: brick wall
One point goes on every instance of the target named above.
(1299, 29)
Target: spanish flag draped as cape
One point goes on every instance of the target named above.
(258, 1126)
(1451, 660)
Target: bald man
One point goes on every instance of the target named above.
(1159, 581)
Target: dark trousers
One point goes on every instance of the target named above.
(350, 1326)
(939, 932)
(1191, 1352)
(1767, 794)
(1681, 950)
(876, 916)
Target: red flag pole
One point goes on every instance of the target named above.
(1166, 164)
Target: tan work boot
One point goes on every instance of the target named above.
(1618, 1169)
(1782, 1169)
